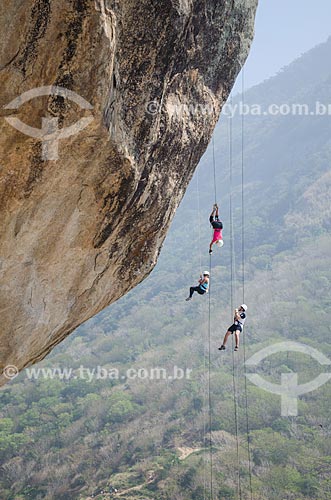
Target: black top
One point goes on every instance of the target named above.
(242, 316)
(217, 224)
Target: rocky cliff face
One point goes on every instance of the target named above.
(83, 216)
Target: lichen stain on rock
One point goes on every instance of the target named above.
(40, 15)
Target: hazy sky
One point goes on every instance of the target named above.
(284, 30)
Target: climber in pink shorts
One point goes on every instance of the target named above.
(217, 226)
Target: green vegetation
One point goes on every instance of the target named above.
(66, 437)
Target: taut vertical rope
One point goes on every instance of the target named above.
(243, 273)
(232, 307)
(214, 165)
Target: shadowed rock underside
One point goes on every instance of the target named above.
(77, 233)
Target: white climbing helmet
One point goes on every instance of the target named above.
(244, 307)
(206, 273)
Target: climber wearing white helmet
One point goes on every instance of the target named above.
(202, 288)
(237, 327)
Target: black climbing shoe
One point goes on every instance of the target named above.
(236, 348)
(222, 348)
(210, 250)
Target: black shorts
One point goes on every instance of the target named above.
(235, 328)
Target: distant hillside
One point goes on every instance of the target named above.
(63, 439)
(283, 155)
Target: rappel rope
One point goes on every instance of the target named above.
(214, 165)
(232, 294)
(232, 291)
(209, 388)
(206, 353)
(243, 257)
(209, 347)
(199, 224)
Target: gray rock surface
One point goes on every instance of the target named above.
(78, 232)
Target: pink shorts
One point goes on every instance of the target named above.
(217, 235)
